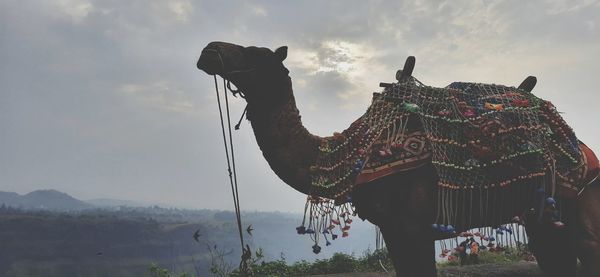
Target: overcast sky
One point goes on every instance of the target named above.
(102, 98)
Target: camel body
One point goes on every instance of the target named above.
(402, 204)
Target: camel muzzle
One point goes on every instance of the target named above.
(211, 62)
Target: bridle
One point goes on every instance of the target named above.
(235, 92)
(230, 157)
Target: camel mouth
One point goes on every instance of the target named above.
(211, 61)
(221, 58)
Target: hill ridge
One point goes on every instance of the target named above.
(43, 199)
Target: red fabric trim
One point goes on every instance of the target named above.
(591, 170)
(592, 164)
(391, 168)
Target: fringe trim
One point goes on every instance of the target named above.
(323, 219)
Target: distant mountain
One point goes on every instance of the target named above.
(107, 202)
(43, 200)
(10, 198)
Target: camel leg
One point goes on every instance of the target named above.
(588, 232)
(409, 229)
(403, 211)
(553, 247)
(393, 246)
(412, 251)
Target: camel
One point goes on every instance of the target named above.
(403, 204)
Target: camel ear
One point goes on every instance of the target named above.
(281, 53)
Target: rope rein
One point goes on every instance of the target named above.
(232, 172)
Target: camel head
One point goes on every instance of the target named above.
(256, 71)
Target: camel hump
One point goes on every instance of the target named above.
(528, 84)
(407, 71)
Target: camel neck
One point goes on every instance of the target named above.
(285, 143)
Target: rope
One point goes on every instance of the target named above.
(379, 245)
(236, 197)
(237, 126)
(232, 174)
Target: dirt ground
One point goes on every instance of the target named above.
(523, 268)
(518, 269)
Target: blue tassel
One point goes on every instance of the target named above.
(442, 228)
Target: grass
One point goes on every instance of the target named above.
(344, 263)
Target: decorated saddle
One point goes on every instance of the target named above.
(476, 135)
(497, 151)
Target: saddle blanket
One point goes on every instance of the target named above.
(415, 152)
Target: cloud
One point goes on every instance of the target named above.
(77, 10)
(181, 9)
(102, 98)
(162, 95)
(259, 11)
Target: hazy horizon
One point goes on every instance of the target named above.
(102, 99)
(134, 203)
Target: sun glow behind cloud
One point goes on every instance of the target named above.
(77, 10)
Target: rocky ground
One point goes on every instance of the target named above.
(518, 269)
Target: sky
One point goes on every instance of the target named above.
(102, 99)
